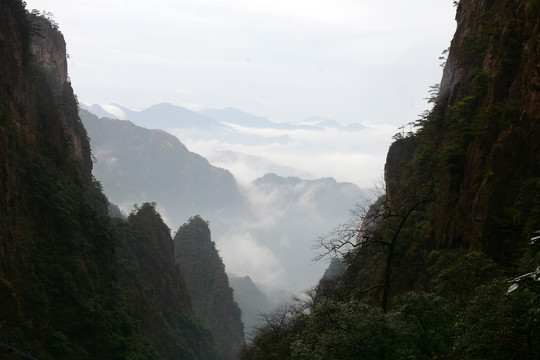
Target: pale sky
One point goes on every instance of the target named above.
(367, 61)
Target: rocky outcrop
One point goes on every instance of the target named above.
(399, 153)
(208, 285)
(479, 145)
(159, 297)
(70, 285)
(49, 50)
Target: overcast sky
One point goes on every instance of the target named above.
(366, 61)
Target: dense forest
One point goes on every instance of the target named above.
(445, 263)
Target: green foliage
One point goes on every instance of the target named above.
(59, 345)
(64, 274)
(528, 206)
(47, 15)
(467, 313)
(64, 291)
(66, 277)
(472, 50)
(461, 124)
(499, 325)
(531, 279)
(499, 117)
(345, 330)
(458, 273)
(158, 298)
(423, 323)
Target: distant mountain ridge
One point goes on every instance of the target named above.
(169, 116)
(238, 117)
(280, 216)
(137, 165)
(252, 301)
(250, 146)
(329, 123)
(158, 116)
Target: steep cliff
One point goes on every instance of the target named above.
(48, 48)
(494, 55)
(72, 286)
(157, 291)
(56, 248)
(208, 285)
(444, 267)
(478, 148)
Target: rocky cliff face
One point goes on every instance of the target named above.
(398, 155)
(49, 50)
(159, 296)
(51, 236)
(501, 39)
(479, 146)
(15, 36)
(208, 285)
(70, 285)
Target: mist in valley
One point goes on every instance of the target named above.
(264, 224)
(269, 180)
(270, 120)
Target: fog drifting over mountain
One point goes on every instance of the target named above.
(266, 230)
(250, 145)
(284, 60)
(356, 157)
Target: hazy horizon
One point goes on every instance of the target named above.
(282, 60)
(272, 241)
(355, 156)
(367, 62)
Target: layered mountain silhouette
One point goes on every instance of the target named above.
(137, 165)
(74, 283)
(169, 116)
(280, 216)
(252, 301)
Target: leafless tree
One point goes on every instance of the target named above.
(373, 229)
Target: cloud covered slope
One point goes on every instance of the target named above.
(264, 228)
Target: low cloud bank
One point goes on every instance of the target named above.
(297, 181)
(275, 247)
(352, 156)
